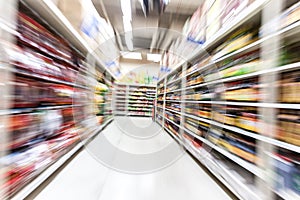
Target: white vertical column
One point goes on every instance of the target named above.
(183, 93)
(269, 55)
(155, 104)
(127, 99)
(114, 100)
(164, 102)
(8, 20)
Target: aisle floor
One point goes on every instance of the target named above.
(116, 166)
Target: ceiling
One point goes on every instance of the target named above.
(154, 32)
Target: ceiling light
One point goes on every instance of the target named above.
(154, 57)
(166, 2)
(132, 55)
(127, 25)
(126, 8)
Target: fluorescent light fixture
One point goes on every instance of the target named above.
(127, 17)
(153, 57)
(132, 55)
(126, 9)
(166, 2)
(127, 24)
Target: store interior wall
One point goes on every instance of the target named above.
(138, 67)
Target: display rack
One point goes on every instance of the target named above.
(50, 114)
(134, 100)
(234, 117)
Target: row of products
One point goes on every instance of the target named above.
(173, 96)
(139, 113)
(146, 109)
(50, 91)
(245, 90)
(173, 106)
(235, 66)
(141, 105)
(287, 171)
(173, 128)
(237, 144)
(207, 20)
(33, 93)
(287, 128)
(139, 99)
(175, 75)
(36, 140)
(102, 107)
(192, 140)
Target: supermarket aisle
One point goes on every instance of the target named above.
(87, 177)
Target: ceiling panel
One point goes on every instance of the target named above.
(145, 29)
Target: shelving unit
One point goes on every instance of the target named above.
(214, 110)
(56, 165)
(134, 100)
(53, 95)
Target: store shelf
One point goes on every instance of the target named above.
(248, 13)
(140, 107)
(136, 85)
(250, 104)
(248, 133)
(173, 136)
(120, 93)
(49, 12)
(30, 187)
(174, 111)
(173, 100)
(144, 110)
(172, 122)
(285, 68)
(174, 81)
(47, 78)
(287, 194)
(160, 124)
(223, 174)
(173, 91)
(246, 165)
(27, 110)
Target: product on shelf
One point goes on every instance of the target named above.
(175, 76)
(194, 79)
(173, 96)
(37, 37)
(231, 9)
(194, 141)
(287, 171)
(200, 93)
(245, 90)
(48, 99)
(288, 51)
(239, 145)
(225, 99)
(173, 106)
(289, 126)
(237, 40)
(236, 66)
(173, 128)
(290, 87)
(213, 17)
(196, 126)
(198, 110)
(291, 15)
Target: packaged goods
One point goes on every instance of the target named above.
(291, 15)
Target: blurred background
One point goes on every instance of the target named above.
(225, 71)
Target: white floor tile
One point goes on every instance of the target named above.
(91, 176)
